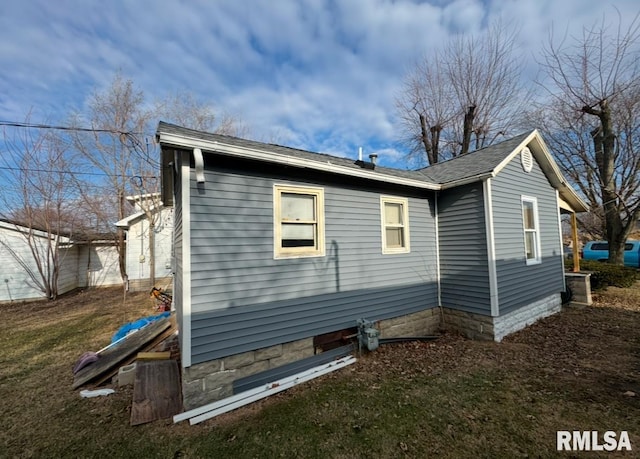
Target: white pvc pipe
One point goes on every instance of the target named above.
(244, 398)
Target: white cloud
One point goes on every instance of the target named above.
(314, 74)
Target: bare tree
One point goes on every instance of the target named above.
(593, 121)
(464, 96)
(123, 147)
(184, 109)
(117, 145)
(36, 189)
(425, 109)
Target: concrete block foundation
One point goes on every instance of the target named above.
(580, 286)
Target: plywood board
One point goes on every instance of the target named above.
(156, 391)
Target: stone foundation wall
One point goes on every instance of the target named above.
(418, 324)
(210, 381)
(474, 326)
(481, 327)
(525, 316)
(213, 380)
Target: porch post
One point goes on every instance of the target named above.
(574, 238)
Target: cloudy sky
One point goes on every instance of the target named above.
(320, 75)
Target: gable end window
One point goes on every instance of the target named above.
(395, 224)
(298, 221)
(531, 230)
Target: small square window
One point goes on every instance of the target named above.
(395, 224)
(298, 221)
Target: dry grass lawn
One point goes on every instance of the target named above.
(577, 370)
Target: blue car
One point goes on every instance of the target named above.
(599, 250)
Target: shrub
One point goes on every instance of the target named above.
(604, 274)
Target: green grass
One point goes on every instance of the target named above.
(452, 398)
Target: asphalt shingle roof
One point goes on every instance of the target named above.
(475, 163)
(285, 151)
(472, 165)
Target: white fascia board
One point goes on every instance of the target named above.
(549, 167)
(126, 222)
(250, 153)
(515, 152)
(43, 234)
(140, 197)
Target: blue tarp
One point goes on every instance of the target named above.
(136, 325)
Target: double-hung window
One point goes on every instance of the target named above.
(395, 224)
(298, 221)
(531, 230)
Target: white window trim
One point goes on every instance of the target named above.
(280, 252)
(538, 259)
(405, 206)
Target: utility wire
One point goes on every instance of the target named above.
(137, 146)
(101, 174)
(64, 128)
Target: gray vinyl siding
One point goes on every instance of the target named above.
(463, 250)
(519, 284)
(242, 298)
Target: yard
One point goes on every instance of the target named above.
(578, 370)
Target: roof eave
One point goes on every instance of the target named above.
(126, 222)
(467, 180)
(550, 169)
(180, 141)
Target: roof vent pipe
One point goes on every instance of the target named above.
(364, 164)
(373, 158)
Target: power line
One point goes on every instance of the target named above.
(142, 153)
(64, 128)
(101, 174)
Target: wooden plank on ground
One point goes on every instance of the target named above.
(156, 391)
(115, 355)
(104, 377)
(160, 355)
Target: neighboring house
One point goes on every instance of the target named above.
(98, 264)
(278, 250)
(82, 264)
(137, 248)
